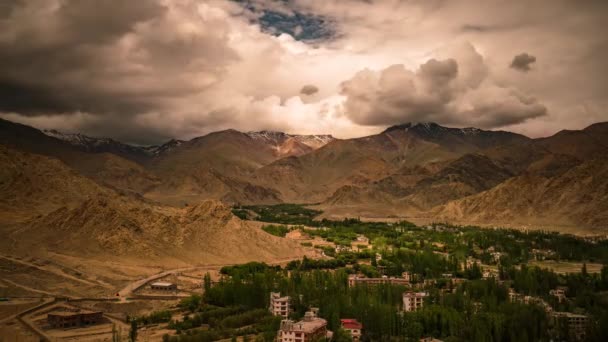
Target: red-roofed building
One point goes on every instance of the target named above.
(353, 326)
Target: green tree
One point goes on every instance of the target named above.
(207, 281)
(341, 335)
(133, 331)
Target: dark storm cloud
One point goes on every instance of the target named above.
(309, 89)
(102, 57)
(522, 62)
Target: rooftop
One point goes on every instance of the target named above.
(162, 283)
(72, 313)
(308, 325)
(415, 294)
(351, 323)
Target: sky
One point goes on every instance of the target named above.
(147, 71)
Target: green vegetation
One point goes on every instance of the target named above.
(280, 213)
(280, 231)
(477, 310)
(153, 318)
(450, 263)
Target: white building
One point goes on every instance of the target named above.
(311, 328)
(279, 306)
(413, 301)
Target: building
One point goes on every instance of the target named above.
(362, 239)
(353, 327)
(515, 297)
(576, 324)
(489, 273)
(279, 306)
(559, 293)
(311, 328)
(163, 286)
(74, 318)
(413, 301)
(340, 249)
(354, 280)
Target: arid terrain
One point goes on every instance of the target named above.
(94, 219)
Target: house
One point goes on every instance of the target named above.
(378, 256)
(279, 306)
(163, 286)
(341, 248)
(362, 239)
(496, 256)
(413, 301)
(353, 327)
(73, 318)
(311, 328)
(559, 293)
(489, 273)
(470, 262)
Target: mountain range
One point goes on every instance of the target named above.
(418, 171)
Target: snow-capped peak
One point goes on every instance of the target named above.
(77, 138)
(278, 138)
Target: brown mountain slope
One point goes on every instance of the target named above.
(47, 207)
(105, 168)
(317, 175)
(576, 196)
(119, 228)
(220, 165)
(417, 189)
(33, 185)
(590, 142)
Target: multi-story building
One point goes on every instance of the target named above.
(354, 280)
(413, 301)
(576, 324)
(279, 306)
(311, 328)
(353, 327)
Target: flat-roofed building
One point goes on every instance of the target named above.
(413, 301)
(311, 328)
(353, 326)
(575, 323)
(73, 318)
(279, 306)
(354, 280)
(163, 286)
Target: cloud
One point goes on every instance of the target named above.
(440, 91)
(144, 71)
(522, 62)
(309, 89)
